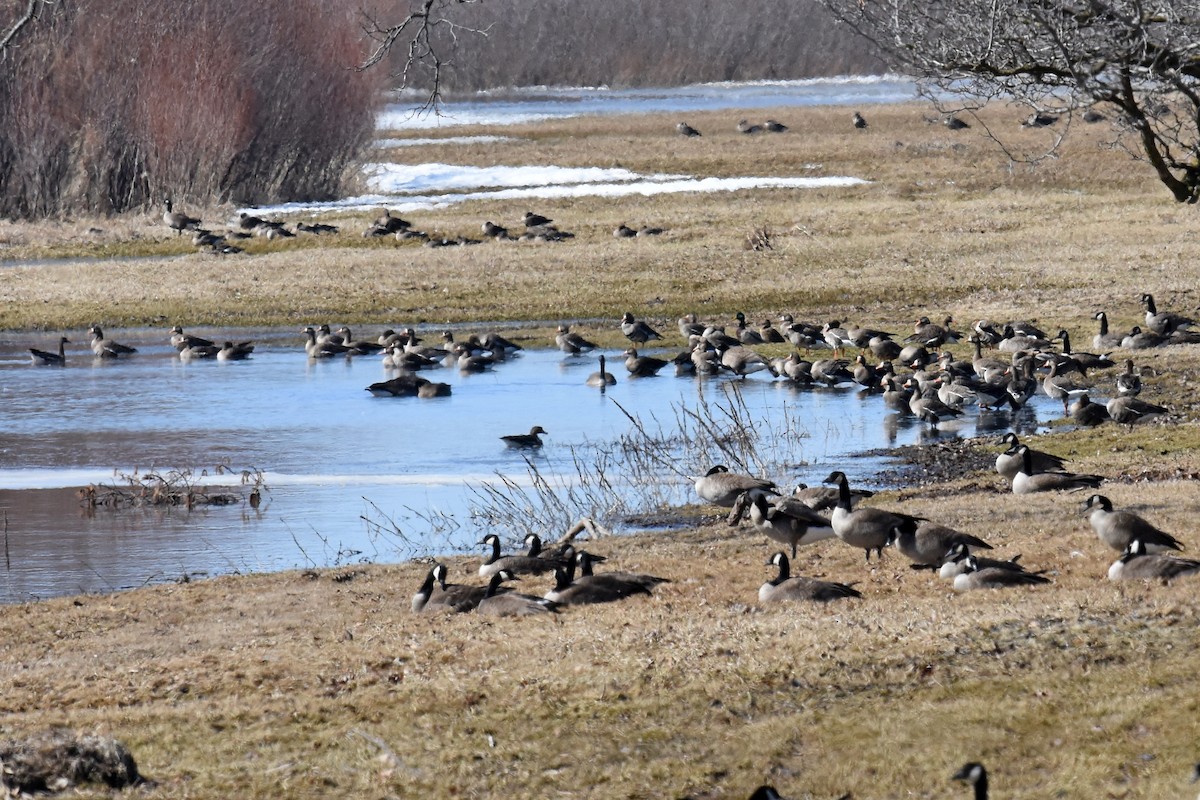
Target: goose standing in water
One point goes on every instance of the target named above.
(571, 343)
(601, 379)
(107, 348)
(43, 358)
(643, 366)
(232, 351)
(785, 586)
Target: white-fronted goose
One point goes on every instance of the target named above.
(783, 519)
(107, 348)
(637, 331)
(1027, 481)
(527, 441)
(773, 126)
(785, 586)
(179, 339)
(571, 343)
(769, 333)
(499, 345)
(868, 528)
(235, 351)
(1008, 463)
(178, 221)
(467, 362)
(198, 352)
(1129, 382)
(742, 361)
(358, 348)
(927, 406)
(686, 130)
(529, 563)
(1137, 564)
(317, 228)
(1061, 388)
(1128, 410)
(928, 544)
(642, 366)
(745, 127)
(746, 335)
(386, 223)
(689, 326)
(1118, 529)
(722, 488)
(511, 604)
(42, 357)
(493, 231)
(976, 577)
(974, 774)
(603, 378)
(1165, 322)
(406, 384)
(1084, 412)
(533, 220)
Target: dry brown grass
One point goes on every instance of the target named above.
(322, 684)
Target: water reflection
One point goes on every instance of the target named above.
(351, 475)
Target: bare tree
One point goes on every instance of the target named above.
(1142, 57)
(32, 8)
(429, 33)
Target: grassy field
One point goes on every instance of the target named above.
(323, 684)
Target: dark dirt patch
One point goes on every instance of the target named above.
(940, 462)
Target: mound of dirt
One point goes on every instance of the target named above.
(58, 759)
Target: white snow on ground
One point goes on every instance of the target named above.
(420, 187)
(388, 144)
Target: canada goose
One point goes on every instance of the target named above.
(974, 774)
(571, 343)
(722, 488)
(686, 130)
(532, 562)
(1058, 387)
(786, 587)
(405, 384)
(601, 379)
(1135, 563)
(231, 351)
(867, 528)
(604, 587)
(533, 220)
(430, 389)
(637, 331)
(59, 359)
(1137, 339)
(526, 441)
(623, 231)
(824, 498)
(954, 123)
(315, 349)
(453, 596)
(642, 366)
(1128, 410)
(929, 542)
(511, 604)
(1084, 412)
(1009, 462)
(107, 348)
(858, 121)
(1165, 322)
(977, 577)
(773, 126)
(1085, 361)
(783, 519)
(1027, 481)
(1118, 528)
(1105, 340)
(178, 221)
(954, 563)
(745, 127)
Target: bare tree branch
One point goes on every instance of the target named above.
(1059, 56)
(31, 12)
(429, 36)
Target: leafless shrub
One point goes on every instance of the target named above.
(759, 239)
(110, 105)
(172, 488)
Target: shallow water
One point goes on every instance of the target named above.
(332, 453)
